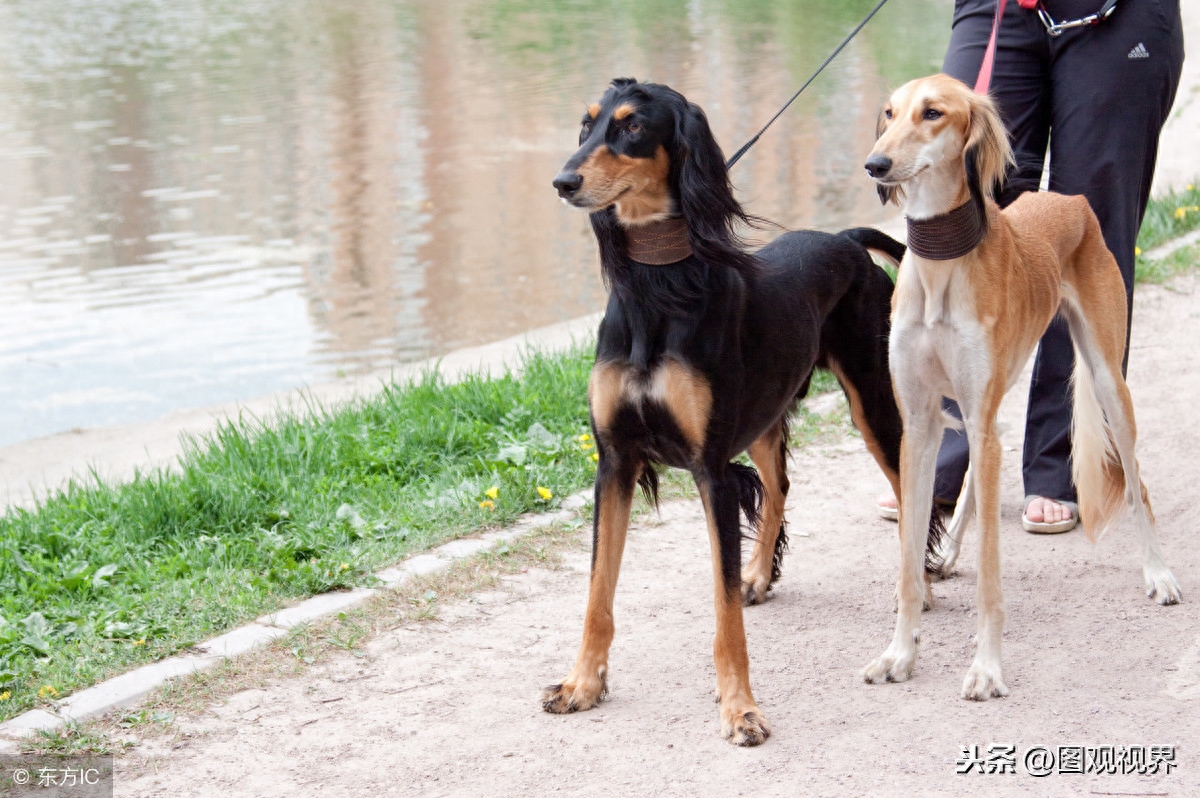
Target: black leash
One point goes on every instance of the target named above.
(729, 164)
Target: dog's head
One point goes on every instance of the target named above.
(938, 124)
(645, 151)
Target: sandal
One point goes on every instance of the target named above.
(1050, 527)
(889, 512)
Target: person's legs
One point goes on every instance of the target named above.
(1108, 109)
(1020, 77)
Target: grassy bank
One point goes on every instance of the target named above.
(99, 578)
(1168, 217)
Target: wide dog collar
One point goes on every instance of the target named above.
(658, 243)
(947, 236)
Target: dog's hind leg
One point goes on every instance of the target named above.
(742, 723)
(769, 454)
(964, 511)
(1104, 437)
(586, 684)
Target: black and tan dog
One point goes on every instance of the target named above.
(704, 350)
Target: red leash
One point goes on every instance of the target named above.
(989, 57)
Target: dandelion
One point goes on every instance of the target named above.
(47, 691)
(141, 642)
(5, 695)
(1180, 212)
(1191, 187)
(1137, 251)
(595, 457)
(587, 446)
(345, 567)
(492, 492)
(1194, 208)
(545, 493)
(488, 504)
(585, 437)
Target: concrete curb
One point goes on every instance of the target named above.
(128, 688)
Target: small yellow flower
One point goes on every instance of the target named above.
(1137, 250)
(492, 492)
(585, 437)
(545, 493)
(141, 642)
(587, 446)
(345, 567)
(5, 696)
(488, 504)
(47, 691)
(1180, 213)
(1191, 187)
(1194, 208)
(596, 456)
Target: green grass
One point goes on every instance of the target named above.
(1169, 217)
(101, 577)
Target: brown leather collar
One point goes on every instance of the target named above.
(947, 236)
(658, 243)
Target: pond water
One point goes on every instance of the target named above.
(209, 201)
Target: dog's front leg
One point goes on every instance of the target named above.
(921, 410)
(586, 684)
(742, 723)
(984, 678)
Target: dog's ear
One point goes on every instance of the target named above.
(987, 154)
(703, 180)
(886, 193)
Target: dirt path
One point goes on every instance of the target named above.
(450, 708)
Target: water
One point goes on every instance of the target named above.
(209, 201)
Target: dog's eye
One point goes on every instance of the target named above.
(887, 113)
(931, 114)
(634, 127)
(586, 125)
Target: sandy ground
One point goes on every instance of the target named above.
(451, 707)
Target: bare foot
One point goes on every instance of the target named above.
(1046, 511)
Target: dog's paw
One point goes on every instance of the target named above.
(1161, 586)
(892, 666)
(744, 727)
(575, 695)
(754, 590)
(983, 682)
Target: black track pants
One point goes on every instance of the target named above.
(1097, 96)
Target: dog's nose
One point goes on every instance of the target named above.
(568, 183)
(878, 166)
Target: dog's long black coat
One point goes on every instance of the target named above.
(704, 358)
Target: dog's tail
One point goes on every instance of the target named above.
(1095, 465)
(750, 492)
(878, 243)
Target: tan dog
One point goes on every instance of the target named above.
(970, 305)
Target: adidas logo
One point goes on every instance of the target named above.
(1139, 52)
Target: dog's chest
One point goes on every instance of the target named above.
(663, 410)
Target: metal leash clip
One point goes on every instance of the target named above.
(1056, 28)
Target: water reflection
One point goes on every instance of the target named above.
(210, 201)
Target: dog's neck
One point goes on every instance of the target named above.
(658, 243)
(943, 221)
(948, 235)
